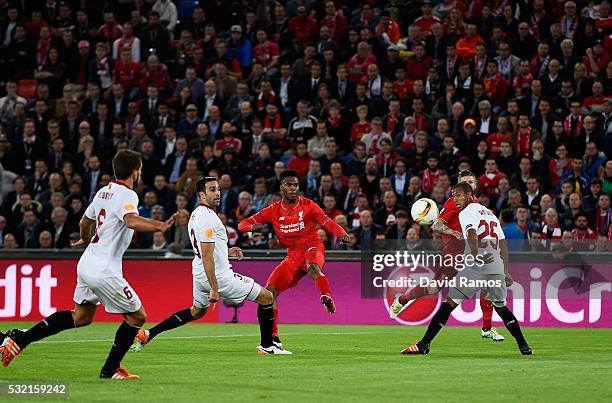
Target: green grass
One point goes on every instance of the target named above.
(216, 363)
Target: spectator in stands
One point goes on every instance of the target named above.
(362, 73)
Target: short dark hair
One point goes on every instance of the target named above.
(581, 215)
(201, 185)
(288, 174)
(463, 187)
(507, 215)
(125, 162)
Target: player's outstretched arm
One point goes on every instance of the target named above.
(254, 222)
(440, 227)
(85, 230)
(141, 224)
(208, 250)
(328, 224)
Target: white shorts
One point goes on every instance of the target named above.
(113, 292)
(234, 289)
(496, 290)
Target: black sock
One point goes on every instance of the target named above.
(123, 340)
(179, 318)
(265, 316)
(512, 324)
(437, 323)
(54, 324)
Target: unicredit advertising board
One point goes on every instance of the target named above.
(549, 295)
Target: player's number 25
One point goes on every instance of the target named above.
(99, 221)
(489, 230)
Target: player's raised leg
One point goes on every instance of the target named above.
(437, 323)
(177, 319)
(403, 301)
(315, 259)
(16, 340)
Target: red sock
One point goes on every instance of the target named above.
(415, 293)
(322, 284)
(487, 312)
(275, 325)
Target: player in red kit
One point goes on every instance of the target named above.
(449, 227)
(295, 221)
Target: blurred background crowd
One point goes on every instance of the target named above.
(374, 103)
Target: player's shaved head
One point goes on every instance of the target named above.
(289, 186)
(289, 173)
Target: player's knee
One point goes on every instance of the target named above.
(499, 306)
(432, 290)
(137, 319)
(272, 290)
(265, 297)
(82, 320)
(453, 302)
(198, 312)
(314, 270)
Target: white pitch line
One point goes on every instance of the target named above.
(220, 336)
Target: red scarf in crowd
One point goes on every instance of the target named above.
(392, 121)
(556, 233)
(42, 49)
(568, 125)
(272, 125)
(334, 122)
(430, 179)
(523, 142)
(262, 102)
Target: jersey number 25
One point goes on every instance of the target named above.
(489, 230)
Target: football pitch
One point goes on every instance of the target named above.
(218, 363)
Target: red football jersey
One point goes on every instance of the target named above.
(450, 214)
(295, 225)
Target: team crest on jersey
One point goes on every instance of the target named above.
(281, 218)
(208, 233)
(301, 215)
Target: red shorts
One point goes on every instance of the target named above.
(294, 267)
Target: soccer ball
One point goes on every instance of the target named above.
(424, 211)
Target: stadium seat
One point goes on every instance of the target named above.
(27, 88)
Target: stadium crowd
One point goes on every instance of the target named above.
(374, 103)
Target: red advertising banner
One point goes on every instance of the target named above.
(33, 289)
